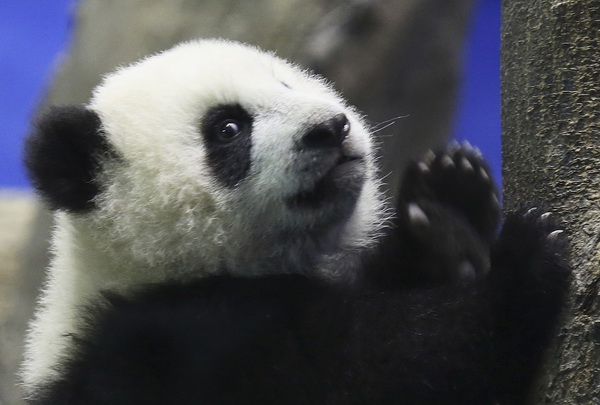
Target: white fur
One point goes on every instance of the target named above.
(162, 216)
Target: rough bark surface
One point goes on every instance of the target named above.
(551, 151)
(390, 58)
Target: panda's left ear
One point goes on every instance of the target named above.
(63, 154)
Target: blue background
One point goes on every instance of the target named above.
(33, 32)
(478, 115)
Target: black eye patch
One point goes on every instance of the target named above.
(227, 132)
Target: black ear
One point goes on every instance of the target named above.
(62, 157)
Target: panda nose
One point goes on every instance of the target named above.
(328, 134)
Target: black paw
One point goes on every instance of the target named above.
(533, 249)
(459, 179)
(528, 283)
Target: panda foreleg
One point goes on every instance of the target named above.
(476, 342)
(529, 279)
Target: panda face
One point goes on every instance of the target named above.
(223, 155)
(321, 179)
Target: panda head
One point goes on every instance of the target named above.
(210, 156)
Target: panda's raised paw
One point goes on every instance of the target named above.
(459, 178)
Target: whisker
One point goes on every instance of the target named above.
(385, 176)
(374, 130)
(388, 122)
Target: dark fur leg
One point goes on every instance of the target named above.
(530, 276)
(492, 332)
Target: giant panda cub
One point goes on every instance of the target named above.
(221, 238)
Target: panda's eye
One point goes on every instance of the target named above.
(228, 130)
(224, 124)
(227, 140)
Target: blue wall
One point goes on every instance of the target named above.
(33, 32)
(478, 118)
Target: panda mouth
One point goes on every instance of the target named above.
(342, 181)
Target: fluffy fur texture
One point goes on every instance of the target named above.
(234, 199)
(167, 204)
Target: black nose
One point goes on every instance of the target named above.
(328, 134)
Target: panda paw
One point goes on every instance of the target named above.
(459, 179)
(527, 289)
(532, 250)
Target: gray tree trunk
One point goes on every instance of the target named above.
(551, 151)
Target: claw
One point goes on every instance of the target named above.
(447, 162)
(467, 271)
(552, 236)
(484, 175)
(545, 216)
(423, 168)
(428, 157)
(466, 165)
(453, 146)
(416, 214)
(531, 211)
